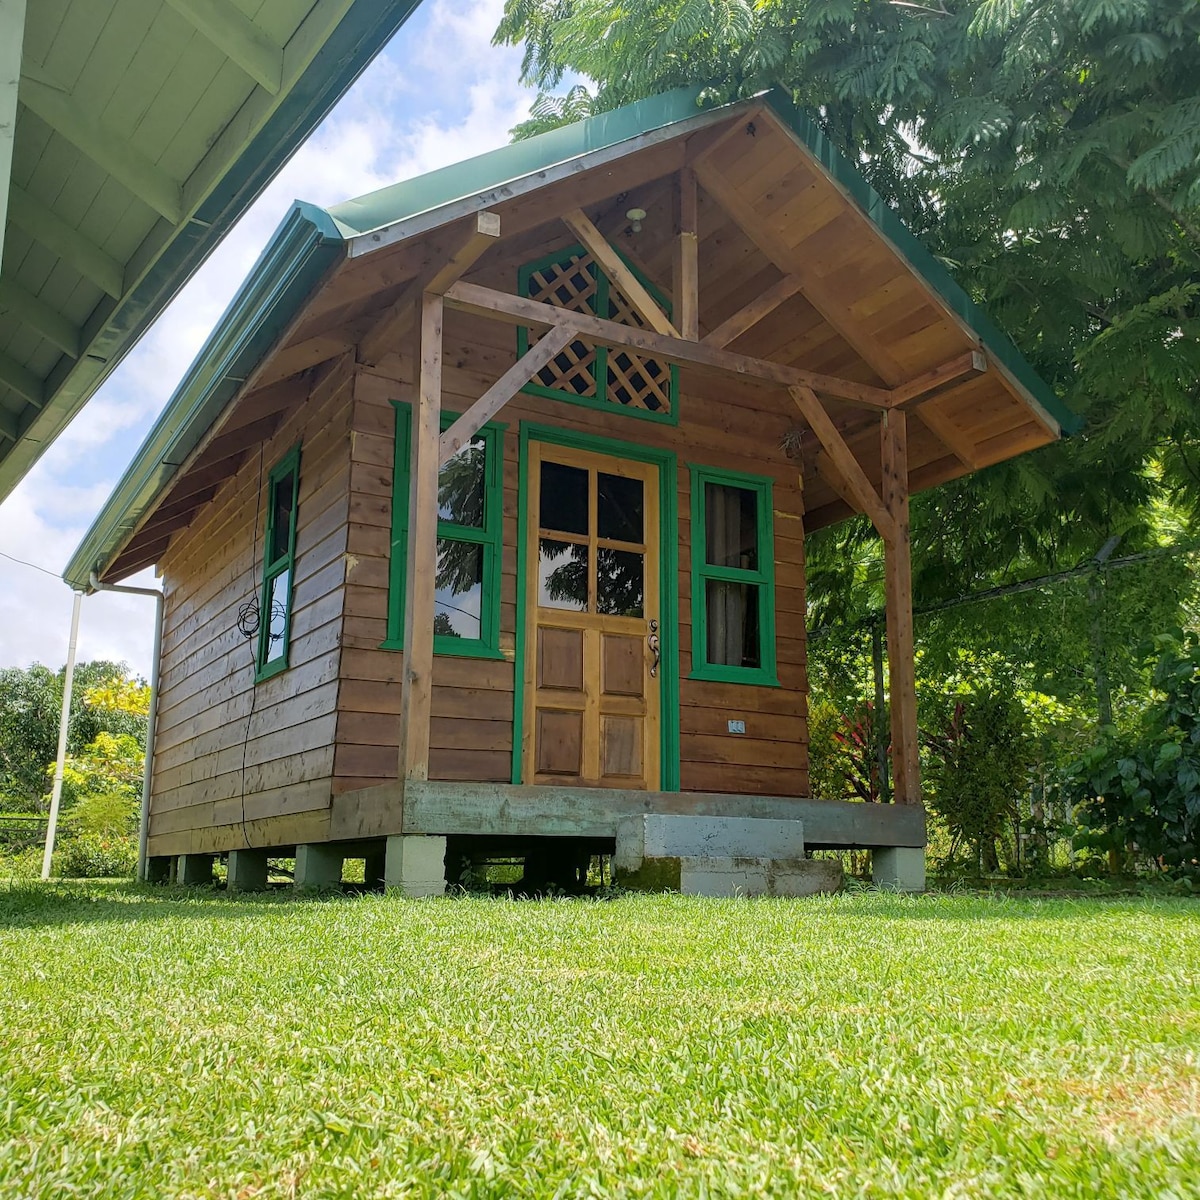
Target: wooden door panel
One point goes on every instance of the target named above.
(623, 665)
(560, 658)
(559, 743)
(621, 740)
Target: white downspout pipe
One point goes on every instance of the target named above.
(151, 717)
(64, 722)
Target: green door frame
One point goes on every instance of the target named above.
(668, 532)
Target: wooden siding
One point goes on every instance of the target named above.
(237, 763)
(728, 425)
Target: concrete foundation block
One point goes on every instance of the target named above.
(898, 868)
(318, 866)
(416, 865)
(659, 835)
(159, 868)
(729, 876)
(247, 871)
(194, 870)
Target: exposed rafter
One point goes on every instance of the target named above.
(949, 434)
(22, 380)
(613, 265)
(8, 425)
(42, 224)
(742, 214)
(12, 35)
(50, 323)
(237, 37)
(109, 151)
(760, 307)
(915, 391)
(518, 310)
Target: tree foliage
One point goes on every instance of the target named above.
(105, 699)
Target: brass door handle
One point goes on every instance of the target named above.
(653, 643)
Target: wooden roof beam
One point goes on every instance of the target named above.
(613, 265)
(519, 310)
(954, 439)
(237, 37)
(915, 391)
(389, 328)
(42, 224)
(9, 425)
(841, 461)
(39, 315)
(120, 159)
(760, 307)
(821, 297)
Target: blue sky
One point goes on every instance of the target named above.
(439, 93)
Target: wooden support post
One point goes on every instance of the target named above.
(687, 259)
(906, 767)
(417, 689)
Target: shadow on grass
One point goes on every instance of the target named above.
(26, 904)
(29, 904)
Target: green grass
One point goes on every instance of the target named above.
(157, 1043)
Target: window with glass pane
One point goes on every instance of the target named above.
(733, 584)
(467, 582)
(279, 552)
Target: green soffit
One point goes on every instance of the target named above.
(311, 239)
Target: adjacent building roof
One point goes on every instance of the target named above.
(311, 241)
(144, 129)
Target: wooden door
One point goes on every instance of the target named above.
(592, 670)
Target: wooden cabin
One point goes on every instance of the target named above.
(481, 514)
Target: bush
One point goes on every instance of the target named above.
(1139, 793)
(95, 856)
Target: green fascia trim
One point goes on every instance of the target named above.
(599, 401)
(491, 538)
(489, 172)
(302, 250)
(766, 674)
(668, 500)
(347, 52)
(847, 177)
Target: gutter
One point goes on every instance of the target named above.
(151, 717)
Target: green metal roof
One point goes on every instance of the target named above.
(311, 238)
(144, 129)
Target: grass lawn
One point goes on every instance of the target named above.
(158, 1043)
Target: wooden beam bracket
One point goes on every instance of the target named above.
(916, 391)
(613, 265)
(502, 391)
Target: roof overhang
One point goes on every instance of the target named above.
(340, 240)
(143, 130)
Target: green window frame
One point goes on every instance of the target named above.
(761, 577)
(488, 536)
(279, 562)
(601, 306)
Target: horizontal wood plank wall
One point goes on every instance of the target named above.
(724, 424)
(236, 763)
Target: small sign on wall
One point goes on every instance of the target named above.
(737, 726)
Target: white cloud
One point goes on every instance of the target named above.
(440, 93)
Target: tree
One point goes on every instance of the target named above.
(105, 699)
(1047, 150)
